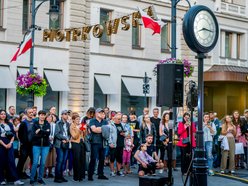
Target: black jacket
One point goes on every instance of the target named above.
(23, 134)
(41, 139)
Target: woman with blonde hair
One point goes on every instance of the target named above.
(229, 131)
(78, 132)
(147, 127)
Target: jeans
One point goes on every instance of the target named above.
(7, 163)
(97, 152)
(209, 155)
(39, 152)
(60, 162)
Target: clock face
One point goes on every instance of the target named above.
(200, 29)
(204, 28)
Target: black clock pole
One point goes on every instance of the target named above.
(200, 162)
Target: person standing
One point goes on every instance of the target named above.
(147, 127)
(156, 121)
(11, 114)
(41, 144)
(209, 131)
(61, 143)
(6, 150)
(97, 150)
(25, 137)
(186, 141)
(229, 131)
(145, 112)
(78, 131)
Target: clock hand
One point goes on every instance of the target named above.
(205, 29)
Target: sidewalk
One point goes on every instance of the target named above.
(133, 180)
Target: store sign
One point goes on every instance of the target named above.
(82, 34)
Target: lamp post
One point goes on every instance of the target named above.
(173, 55)
(54, 13)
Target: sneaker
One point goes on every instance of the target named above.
(211, 173)
(50, 176)
(154, 174)
(119, 173)
(222, 172)
(3, 183)
(232, 172)
(102, 177)
(74, 180)
(64, 180)
(112, 174)
(18, 182)
(56, 180)
(41, 182)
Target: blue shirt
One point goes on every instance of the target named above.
(96, 138)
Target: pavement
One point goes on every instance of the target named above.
(133, 180)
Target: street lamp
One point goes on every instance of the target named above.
(54, 13)
(173, 55)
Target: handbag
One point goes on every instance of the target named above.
(186, 140)
(87, 145)
(239, 148)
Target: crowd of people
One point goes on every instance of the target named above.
(49, 146)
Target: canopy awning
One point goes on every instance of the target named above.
(6, 79)
(226, 73)
(105, 83)
(135, 86)
(57, 80)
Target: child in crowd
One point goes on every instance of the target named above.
(148, 164)
(127, 154)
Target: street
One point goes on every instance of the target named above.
(132, 180)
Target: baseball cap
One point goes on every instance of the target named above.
(99, 110)
(64, 112)
(246, 110)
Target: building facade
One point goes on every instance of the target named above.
(55, 61)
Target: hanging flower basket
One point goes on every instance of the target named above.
(188, 68)
(31, 84)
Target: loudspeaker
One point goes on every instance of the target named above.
(170, 85)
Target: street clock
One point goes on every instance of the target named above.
(200, 29)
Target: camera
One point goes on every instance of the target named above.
(163, 138)
(8, 134)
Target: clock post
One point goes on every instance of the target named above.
(200, 162)
(201, 33)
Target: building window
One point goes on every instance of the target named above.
(132, 103)
(2, 98)
(136, 37)
(58, 24)
(165, 38)
(26, 15)
(100, 99)
(228, 45)
(105, 15)
(50, 99)
(238, 46)
(1, 13)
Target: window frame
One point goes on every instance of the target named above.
(1, 13)
(138, 45)
(168, 37)
(238, 51)
(105, 101)
(230, 35)
(5, 97)
(109, 14)
(61, 5)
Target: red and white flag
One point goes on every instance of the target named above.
(148, 22)
(25, 45)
